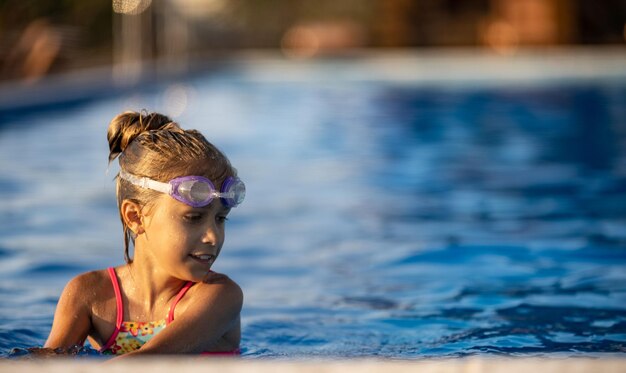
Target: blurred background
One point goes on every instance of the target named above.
(39, 37)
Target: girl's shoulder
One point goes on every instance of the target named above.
(92, 279)
(218, 282)
(90, 286)
(216, 286)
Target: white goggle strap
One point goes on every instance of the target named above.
(146, 183)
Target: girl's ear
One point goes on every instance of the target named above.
(131, 213)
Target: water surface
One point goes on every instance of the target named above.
(382, 219)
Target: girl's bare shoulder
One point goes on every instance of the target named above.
(89, 286)
(215, 281)
(217, 286)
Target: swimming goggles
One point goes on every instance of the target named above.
(195, 191)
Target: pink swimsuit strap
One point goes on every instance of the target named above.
(120, 306)
(181, 293)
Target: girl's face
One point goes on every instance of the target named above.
(184, 241)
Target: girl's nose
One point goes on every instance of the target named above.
(211, 235)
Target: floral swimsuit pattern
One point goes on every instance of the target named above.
(133, 335)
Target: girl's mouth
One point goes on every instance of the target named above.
(203, 258)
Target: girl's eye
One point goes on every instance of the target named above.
(192, 217)
(222, 219)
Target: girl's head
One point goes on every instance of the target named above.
(151, 145)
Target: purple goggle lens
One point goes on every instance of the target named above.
(195, 191)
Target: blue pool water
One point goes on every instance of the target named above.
(388, 219)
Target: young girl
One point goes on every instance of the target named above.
(174, 191)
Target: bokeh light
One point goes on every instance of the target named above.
(131, 7)
(176, 99)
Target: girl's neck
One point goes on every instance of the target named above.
(150, 290)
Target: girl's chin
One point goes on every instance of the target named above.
(199, 275)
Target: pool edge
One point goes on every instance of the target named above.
(466, 365)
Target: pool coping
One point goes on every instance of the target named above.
(226, 365)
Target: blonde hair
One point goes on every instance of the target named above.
(152, 145)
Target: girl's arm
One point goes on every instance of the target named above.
(72, 320)
(213, 312)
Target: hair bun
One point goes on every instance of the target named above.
(125, 127)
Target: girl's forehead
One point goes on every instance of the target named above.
(170, 205)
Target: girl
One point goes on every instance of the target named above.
(174, 191)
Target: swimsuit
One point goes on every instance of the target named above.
(131, 335)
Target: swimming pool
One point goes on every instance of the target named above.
(383, 218)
